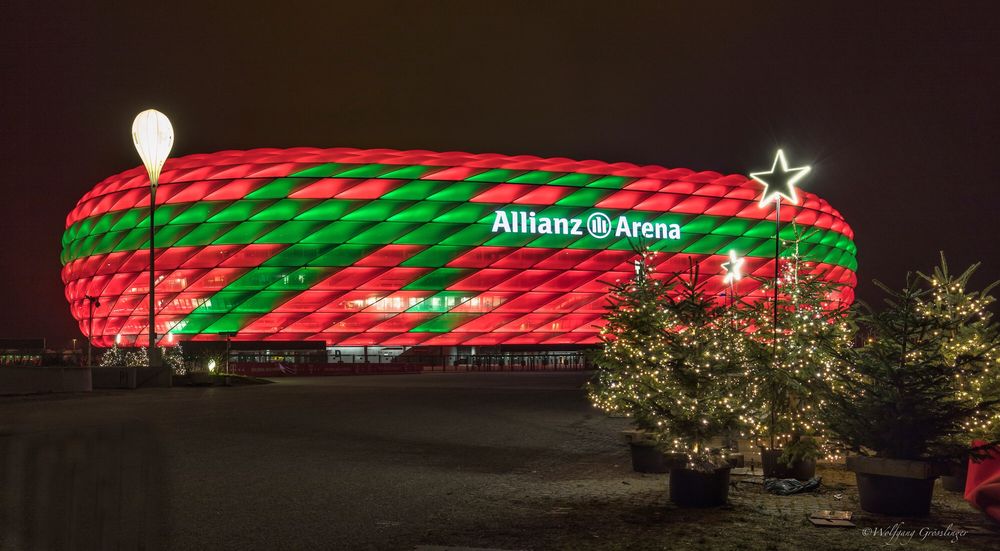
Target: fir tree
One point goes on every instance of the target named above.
(114, 357)
(667, 362)
(900, 392)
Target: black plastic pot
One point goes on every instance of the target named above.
(896, 487)
(690, 488)
(894, 495)
(800, 469)
(955, 482)
(648, 459)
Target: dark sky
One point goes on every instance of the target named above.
(893, 104)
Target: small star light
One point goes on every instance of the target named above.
(779, 184)
(732, 268)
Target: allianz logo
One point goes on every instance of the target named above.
(597, 225)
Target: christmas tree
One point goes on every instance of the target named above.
(114, 357)
(789, 349)
(667, 362)
(900, 394)
(970, 331)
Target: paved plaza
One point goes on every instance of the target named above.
(492, 460)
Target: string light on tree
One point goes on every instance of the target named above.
(733, 268)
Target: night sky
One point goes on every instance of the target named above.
(895, 106)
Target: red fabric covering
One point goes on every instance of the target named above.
(982, 487)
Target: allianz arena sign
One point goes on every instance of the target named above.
(598, 225)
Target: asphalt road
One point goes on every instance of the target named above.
(378, 462)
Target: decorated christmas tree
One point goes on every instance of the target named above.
(790, 347)
(969, 330)
(667, 362)
(114, 357)
(901, 394)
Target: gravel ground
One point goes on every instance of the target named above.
(503, 460)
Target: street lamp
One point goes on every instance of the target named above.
(153, 136)
(94, 303)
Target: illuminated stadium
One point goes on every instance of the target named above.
(389, 248)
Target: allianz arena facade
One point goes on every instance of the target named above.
(410, 248)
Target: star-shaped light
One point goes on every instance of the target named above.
(778, 184)
(732, 268)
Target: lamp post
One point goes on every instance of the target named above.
(94, 302)
(778, 182)
(153, 136)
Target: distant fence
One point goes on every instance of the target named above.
(281, 369)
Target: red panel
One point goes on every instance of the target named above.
(370, 189)
(544, 195)
(403, 322)
(481, 257)
(483, 279)
(217, 279)
(308, 301)
(528, 302)
(252, 255)
(394, 278)
(524, 258)
(624, 199)
(487, 322)
(526, 280)
(324, 188)
(358, 323)
(390, 255)
(348, 278)
(503, 193)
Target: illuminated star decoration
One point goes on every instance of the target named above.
(733, 268)
(778, 184)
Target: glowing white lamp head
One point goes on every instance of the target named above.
(780, 182)
(118, 339)
(733, 268)
(153, 137)
(211, 365)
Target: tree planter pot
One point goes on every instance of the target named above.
(894, 487)
(955, 480)
(647, 458)
(800, 469)
(689, 488)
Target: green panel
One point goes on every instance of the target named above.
(130, 219)
(734, 226)
(382, 233)
(535, 177)
(367, 171)
(278, 188)
(239, 211)
(337, 232)
(428, 234)
(231, 323)
(675, 245)
(424, 211)
(468, 213)
(743, 244)
(409, 172)
(444, 323)
(710, 244)
(164, 213)
(258, 278)
(611, 182)
(554, 241)
(291, 232)
(442, 302)
(765, 250)
(223, 302)
(377, 211)
(319, 171)
(106, 222)
(132, 240)
(473, 235)
(438, 279)
(299, 254)
(434, 257)
(247, 232)
(344, 255)
(417, 190)
(204, 234)
(703, 224)
(762, 229)
(167, 236)
(585, 197)
(302, 279)
(264, 302)
(108, 242)
(459, 191)
(495, 175)
(285, 209)
(574, 179)
(199, 212)
(193, 324)
(330, 210)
